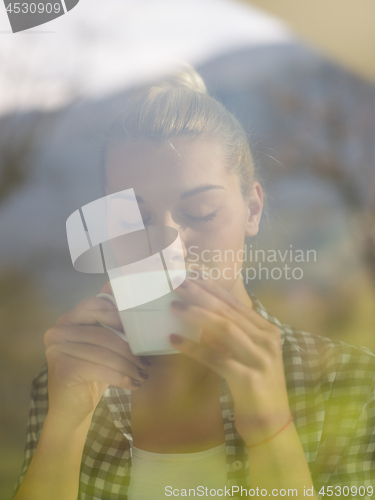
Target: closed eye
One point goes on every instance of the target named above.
(205, 218)
(126, 225)
(191, 219)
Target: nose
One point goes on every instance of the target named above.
(165, 219)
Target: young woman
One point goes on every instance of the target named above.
(256, 408)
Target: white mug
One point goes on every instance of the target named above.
(147, 327)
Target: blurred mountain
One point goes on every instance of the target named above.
(312, 129)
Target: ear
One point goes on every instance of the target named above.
(255, 206)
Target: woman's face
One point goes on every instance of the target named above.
(186, 185)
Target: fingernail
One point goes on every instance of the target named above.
(176, 339)
(142, 373)
(145, 360)
(181, 306)
(136, 383)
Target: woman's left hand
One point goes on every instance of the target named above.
(242, 347)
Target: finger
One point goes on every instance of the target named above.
(202, 297)
(93, 311)
(212, 287)
(225, 367)
(240, 378)
(92, 372)
(91, 335)
(218, 330)
(204, 354)
(98, 356)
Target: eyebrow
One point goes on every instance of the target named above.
(200, 189)
(186, 194)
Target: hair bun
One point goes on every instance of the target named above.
(182, 75)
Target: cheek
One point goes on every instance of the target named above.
(217, 243)
(230, 232)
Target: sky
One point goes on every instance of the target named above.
(103, 45)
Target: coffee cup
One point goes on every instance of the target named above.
(147, 327)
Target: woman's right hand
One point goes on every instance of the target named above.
(84, 358)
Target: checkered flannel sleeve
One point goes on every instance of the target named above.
(346, 452)
(37, 414)
(332, 395)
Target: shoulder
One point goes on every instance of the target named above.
(312, 360)
(330, 356)
(330, 353)
(337, 368)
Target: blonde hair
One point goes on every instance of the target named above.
(177, 106)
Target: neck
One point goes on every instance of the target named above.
(177, 374)
(238, 291)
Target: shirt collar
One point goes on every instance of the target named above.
(260, 309)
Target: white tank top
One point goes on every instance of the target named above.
(155, 475)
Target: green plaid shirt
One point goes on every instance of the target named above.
(331, 394)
